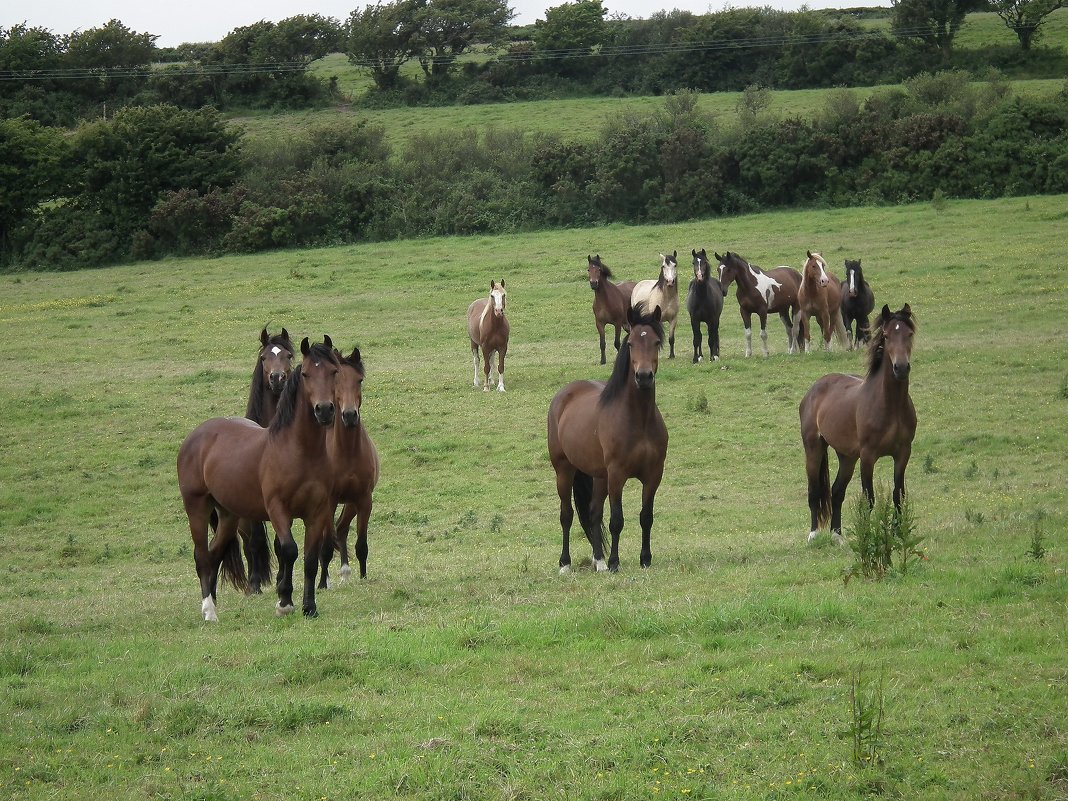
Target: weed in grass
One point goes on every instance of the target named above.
(938, 200)
(880, 532)
(497, 524)
(972, 470)
(929, 467)
(1037, 551)
(1062, 393)
(974, 517)
(699, 403)
(867, 711)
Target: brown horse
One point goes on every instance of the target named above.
(862, 419)
(760, 293)
(601, 434)
(611, 302)
(242, 470)
(662, 291)
(487, 327)
(820, 295)
(354, 465)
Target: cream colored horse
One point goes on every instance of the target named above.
(662, 292)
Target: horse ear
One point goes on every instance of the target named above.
(906, 310)
(718, 257)
(502, 283)
(305, 347)
(285, 334)
(693, 253)
(674, 255)
(884, 315)
(656, 314)
(264, 337)
(355, 355)
(327, 341)
(808, 253)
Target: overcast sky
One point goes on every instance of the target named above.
(201, 21)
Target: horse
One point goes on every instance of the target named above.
(663, 292)
(820, 295)
(610, 301)
(274, 363)
(704, 302)
(601, 434)
(354, 465)
(858, 301)
(243, 470)
(487, 328)
(760, 293)
(862, 419)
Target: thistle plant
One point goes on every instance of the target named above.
(880, 533)
(867, 710)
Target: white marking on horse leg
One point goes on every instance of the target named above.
(282, 611)
(600, 565)
(207, 608)
(764, 341)
(330, 582)
(565, 570)
(748, 342)
(474, 356)
(500, 382)
(346, 573)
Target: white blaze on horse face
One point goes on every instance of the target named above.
(852, 281)
(276, 350)
(765, 284)
(669, 268)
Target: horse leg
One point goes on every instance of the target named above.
(199, 513)
(286, 550)
(818, 480)
(318, 530)
(565, 480)
(764, 333)
(326, 553)
(867, 477)
(791, 330)
(747, 322)
(695, 324)
(827, 327)
(901, 461)
(600, 334)
(649, 489)
(254, 537)
(713, 340)
(474, 358)
(600, 492)
(487, 367)
(341, 538)
(615, 520)
(671, 338)
(363, 512)
(846, 466)
(500, 368)
(863, 329)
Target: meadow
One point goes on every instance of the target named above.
(465, 666)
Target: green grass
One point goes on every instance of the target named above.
(465, 666)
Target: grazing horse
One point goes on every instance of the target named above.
(662, 292)
(243, 470)
(858, 301)
(601, 434)
(610, 301)
(704, 302)
(354, 465)
(862, 419)
(487, 327)
(273, 366)
(820, 295)
(760, 293)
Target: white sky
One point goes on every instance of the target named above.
(201, 21)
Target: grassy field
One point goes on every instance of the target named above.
(465, 666)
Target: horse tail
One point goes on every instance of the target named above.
(233, 566)
(583, 492)
(258, 550)
(823, 507)
(839, 327)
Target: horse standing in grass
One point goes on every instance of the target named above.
(242, 470)
(487, 327)
(610, 301)
(704, 302)
(862, 419)
(762, 292)
(858, 301)
(820, 296)
(601, 434)
(354, 465)
(663, 292)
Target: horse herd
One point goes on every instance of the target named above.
(301, 451)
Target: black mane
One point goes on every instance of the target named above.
(857, 269)
(353, 360)
(605, 272)
(617, 382)
(878, 338)
(287, 403)
(258, 391)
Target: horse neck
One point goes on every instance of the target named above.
(746, 280)
(346, 441)
(638, 405)
(304, 429)
(882, 384)
(490, 323)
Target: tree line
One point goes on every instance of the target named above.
(161, 180)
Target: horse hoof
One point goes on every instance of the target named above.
(207, 607)
(565, 569)
(346, 572)
(600, 565)
(310, 611)
(500, 389)
(812, 536)
(282, 611)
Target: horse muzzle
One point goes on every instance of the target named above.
(901, 370)
(595, 285)
(350, 418)
(645, 379)
(324, 414)
(277, 381)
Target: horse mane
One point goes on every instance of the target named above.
(621, 369)
(258, 391)
(855, 265)
(355, 363)
(605, 272)
(287, 403)
(878, 338)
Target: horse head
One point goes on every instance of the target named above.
(894, 339)
(348, 389)
(276, 359)
(645, 339)
(816, 269)
(318, 373)
(497, 297)
(728, 268)
(669, 268)
(854, 278)
(596, 271)
(700, 265)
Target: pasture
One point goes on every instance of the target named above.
(465, 666)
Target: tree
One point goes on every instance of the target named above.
(448, 28)
(113, 45)
(1024, 17)
(934, 22)
(31, 159)
(383, 37)
(569, 33)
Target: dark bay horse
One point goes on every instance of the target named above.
(662, 291)
(862, 419)
(761, 292)
(858, 301)
(819, 296)
(487, 328)
(704, 302)
(354, 465)
(610, 301)
(601, 434)
(242, 470)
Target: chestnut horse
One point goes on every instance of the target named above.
(601, 434)
(857, 303)
(243, 470)
(663, 291)
(761, 293)
(354, 465)
(820, 296)
(862, 419)
(487, 328)
(704, 302)
(610, 301)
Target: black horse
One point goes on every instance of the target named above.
(857, 303)
(704, 302)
